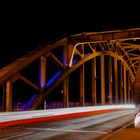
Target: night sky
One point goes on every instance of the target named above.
(23, 28)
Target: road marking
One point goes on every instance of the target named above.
(124, 127)
(118, 130)
(18, 135)
(68, 130)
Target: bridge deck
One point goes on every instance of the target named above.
(15, 118)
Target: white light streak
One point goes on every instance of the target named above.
(11, 116)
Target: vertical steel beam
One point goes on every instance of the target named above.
(116, 79)
(42, 71)
(65, 93)
(102, 80)
(66, 80)
(8, 96)
(110, 79)
(125, 94)
(3, 97)
(128, 84)
(94, 97)
(121, 84)
(132, 91)
(82, 86)
(43, 74)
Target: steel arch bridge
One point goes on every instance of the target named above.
(121, 46)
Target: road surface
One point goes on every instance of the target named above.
(85, 128)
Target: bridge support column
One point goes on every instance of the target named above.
(131, 96)
(94, 97)
(8, 96)
(121, 84)
(82, 86)
(116, 79)
(110, 79)
(66, 52)
(3, 98)
(125, 94)
(102, 80)
(43, 74)
(132, 91)
(65, 92)
(129, 88)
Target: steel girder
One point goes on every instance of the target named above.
(123, 44)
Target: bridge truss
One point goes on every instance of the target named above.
(72, 53)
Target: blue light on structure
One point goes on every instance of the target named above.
(29, 103)
(74, 61)
(63, 59)
(40, 81)
(53, 79)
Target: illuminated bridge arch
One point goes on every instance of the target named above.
(122, 45)
(112, 48)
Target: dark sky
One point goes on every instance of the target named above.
(23, 28)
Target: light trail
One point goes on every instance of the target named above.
(12, 118)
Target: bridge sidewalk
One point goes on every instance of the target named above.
(126, 134)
